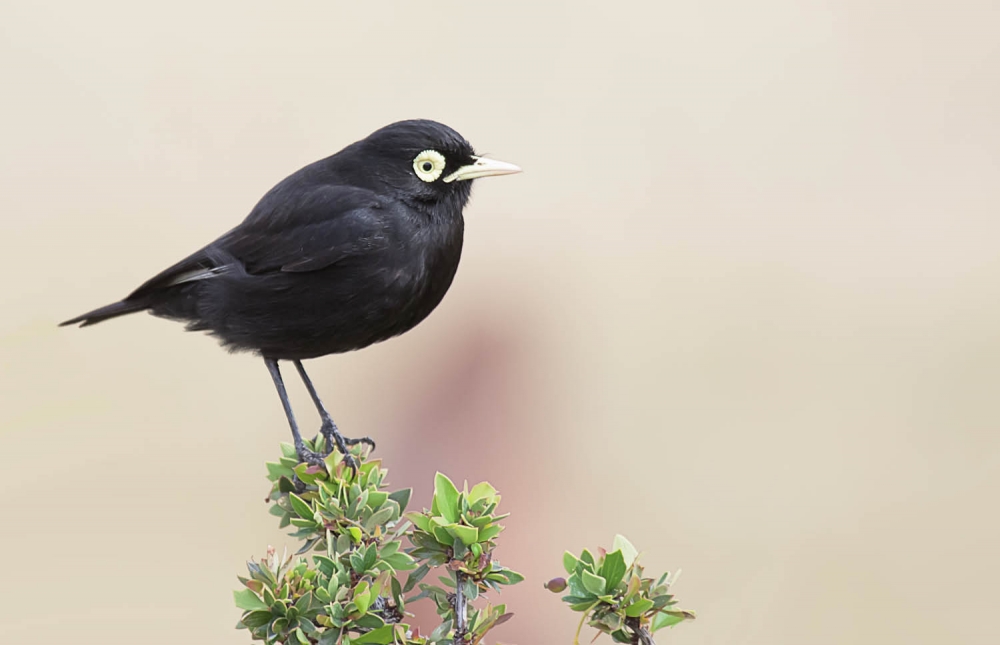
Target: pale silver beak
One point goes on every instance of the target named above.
(482, 167)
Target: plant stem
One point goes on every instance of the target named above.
(645, 637)
(583, 619)
(640, 635)
(461, 628)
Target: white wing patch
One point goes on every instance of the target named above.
(198, 274)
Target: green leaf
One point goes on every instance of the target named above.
(333, 587)
(363, 602)
(256, 619)
(503, 618)
(467, 534)
(593, 583)
(325, 564)
(355, 534)
(381, 636)
(400, 561)
(441, 534)
(302, 471)
(401, 497)
(362, 598)
(639, 607)
(343, 543)
(380, 517)
(478, 522)
(629, 552)
(380, 583)
(369, 621)
(664, 600)
(513, 577)
(248, 600)
(611, 620)
(332, 460)
(471, 589)
(481, 491)
(421, 521)
(440, 631)
(489, 532)
(371, 555)
(357, 562)
(505, 576)
(576, 600)
(613, 570)
(277, 471)
(416, 577)
(300, 506)
(397, 593)
(304, 603)
(309, 545)
(576, 587)
(446, 496)
(633, 586)
(663, 619)
(569, 562)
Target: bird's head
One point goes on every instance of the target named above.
(426, 161)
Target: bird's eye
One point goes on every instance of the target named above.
(429, 165)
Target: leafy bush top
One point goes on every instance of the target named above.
(350, 589)
(613, 595)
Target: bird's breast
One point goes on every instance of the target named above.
(424, 275)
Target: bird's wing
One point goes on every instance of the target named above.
(200, 265)
(307, 230)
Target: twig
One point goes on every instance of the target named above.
(639, 633)
(460, 606)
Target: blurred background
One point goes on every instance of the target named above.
(742, 305)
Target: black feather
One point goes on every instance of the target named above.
(348, 251)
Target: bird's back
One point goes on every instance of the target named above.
(367, 292)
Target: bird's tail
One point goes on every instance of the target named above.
(113, 310)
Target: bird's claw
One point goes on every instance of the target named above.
(334, 438)
(310, 457)
(368, 441)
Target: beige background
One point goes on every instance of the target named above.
(741, 306)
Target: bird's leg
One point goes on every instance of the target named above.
(329, 428)
(304, 454)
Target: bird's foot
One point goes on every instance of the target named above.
(368, 441)
(311, 457)
(334, 438)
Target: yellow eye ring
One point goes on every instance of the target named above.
(428, 165)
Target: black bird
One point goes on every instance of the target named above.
(348, 251)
